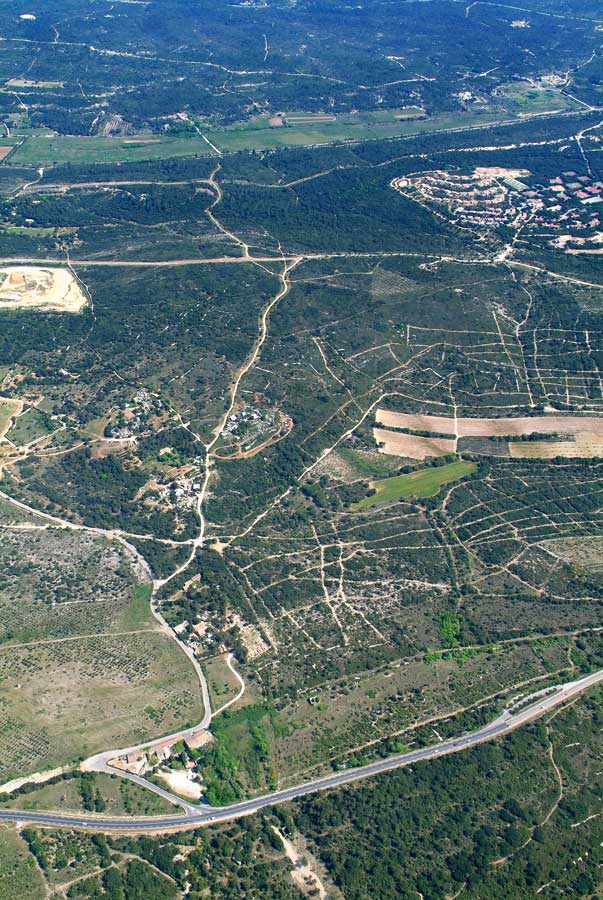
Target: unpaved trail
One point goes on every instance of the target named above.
(241, 691)
(37, 186)
(78, 637)
(233, 392)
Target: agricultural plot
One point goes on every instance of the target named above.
(423, 483)
(32, 425)
(83, 665)
(464, 427)
(21, 83)
(89, 694)
(530, 96)
(413, 446)
(45, 150)
(584, 433)
(586, 445)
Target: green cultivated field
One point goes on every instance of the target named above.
(42, 150)
(424, 483)
(369, 126)
(257, 134)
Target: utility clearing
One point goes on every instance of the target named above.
(31, 287)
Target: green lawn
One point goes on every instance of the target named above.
(423, 483)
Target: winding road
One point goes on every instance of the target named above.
(205, 815)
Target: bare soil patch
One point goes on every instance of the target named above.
(470, 427)
(587, 445)
(500, 172)
(309, 119)
(585, 551)
(182, 783)
(410, 445)
(30, 287)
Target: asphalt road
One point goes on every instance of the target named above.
(205, 815)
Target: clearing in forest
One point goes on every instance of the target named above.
(8, 409)
(424, 483)
(25, 287)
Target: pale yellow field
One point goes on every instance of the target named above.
(28, 287)
(586, 446)
(470, 427)
(397, 444)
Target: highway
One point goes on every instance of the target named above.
(205, 815)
